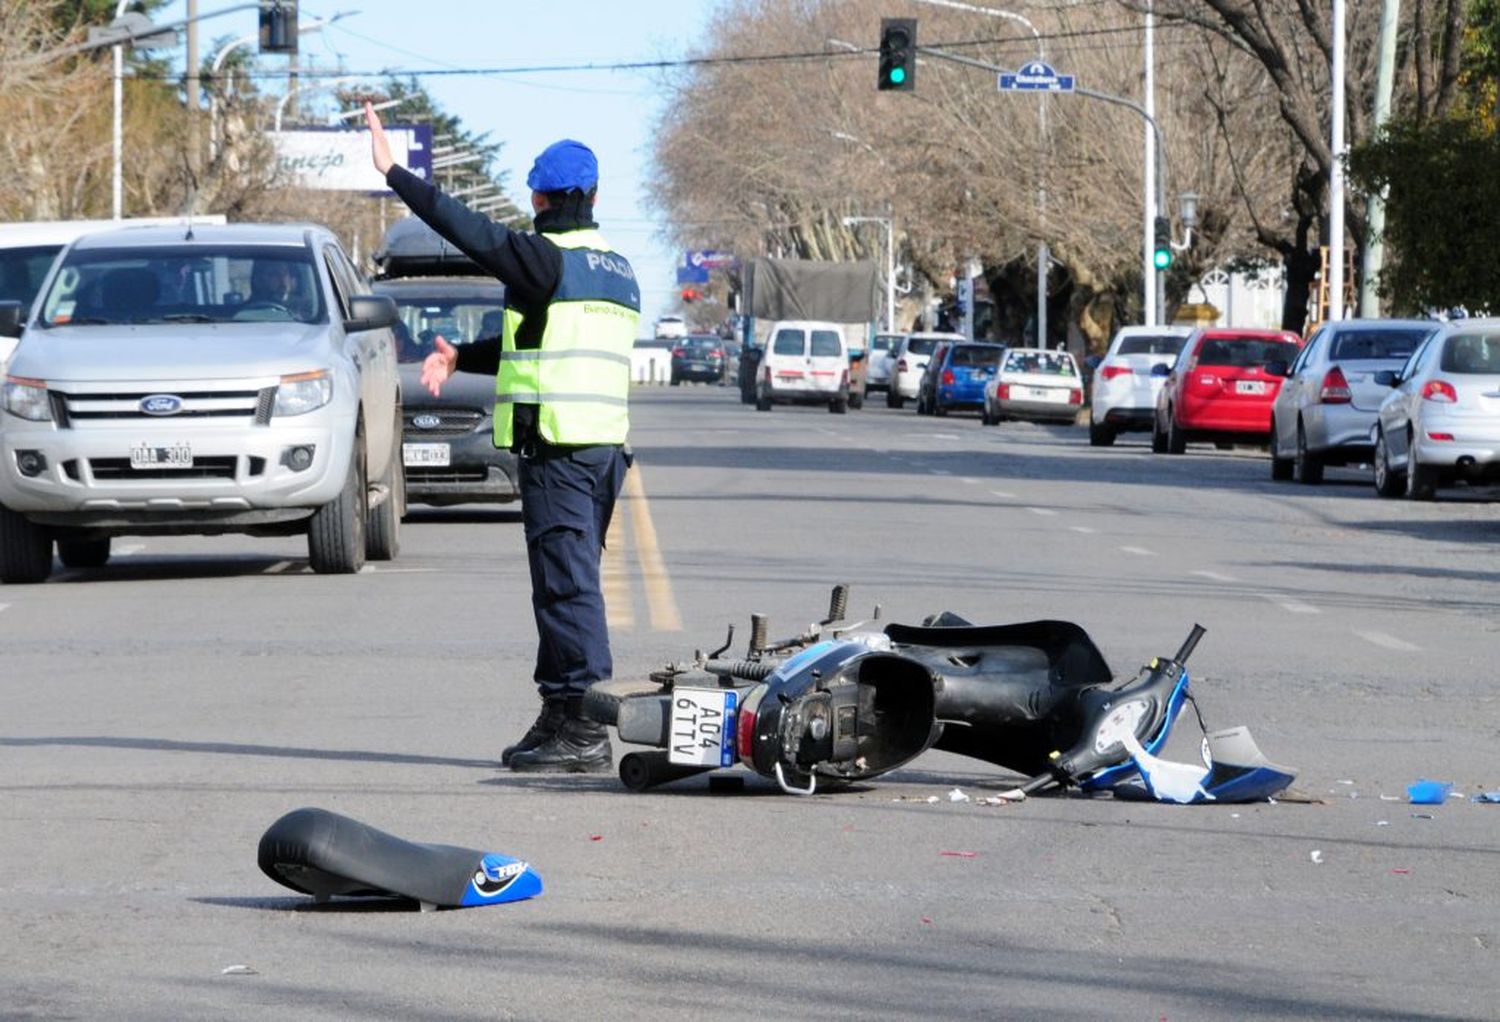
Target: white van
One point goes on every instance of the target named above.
(806, 361)
(28, 249)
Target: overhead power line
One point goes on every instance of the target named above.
(1028, 41)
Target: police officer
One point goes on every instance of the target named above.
(562, 372)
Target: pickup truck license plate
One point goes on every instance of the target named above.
(169, 456)
(702, 727)
(425, 455)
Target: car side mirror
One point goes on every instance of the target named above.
(1278, 367)
(371, 312)
(1387, 377)
(10, 319)
(1162, 370)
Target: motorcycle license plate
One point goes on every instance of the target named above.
(170, 456)
(702, 727)
(425, 455)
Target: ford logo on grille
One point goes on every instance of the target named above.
(161, 404)
(426, 421)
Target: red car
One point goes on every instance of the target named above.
(1219, 389)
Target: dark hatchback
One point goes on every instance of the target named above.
(699, 358)
(448, 441)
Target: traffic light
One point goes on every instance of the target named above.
(1161, 258)
(691, 294)
(278, 26)
(898, 54)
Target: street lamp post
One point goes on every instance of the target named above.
(1043, 255)
(222, 55)
(890, 264)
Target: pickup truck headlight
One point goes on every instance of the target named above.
(27, 399)
(303, 392)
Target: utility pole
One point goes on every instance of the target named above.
(192, 86)
(1374, 258)
(1336, 174)
(1149, 274)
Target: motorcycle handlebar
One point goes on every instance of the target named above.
(1190, 644)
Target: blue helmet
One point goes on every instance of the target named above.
(562, 166)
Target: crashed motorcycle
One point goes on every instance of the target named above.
(847, 701)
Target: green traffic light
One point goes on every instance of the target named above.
(898, 75)
(1162, 259)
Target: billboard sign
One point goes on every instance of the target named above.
(338, 160)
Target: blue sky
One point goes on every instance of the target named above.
(613, 112)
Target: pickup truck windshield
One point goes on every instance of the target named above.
(185, 284)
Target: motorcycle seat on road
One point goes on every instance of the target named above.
(324, 854)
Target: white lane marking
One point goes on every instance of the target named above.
(1046, 511)
(1215, 576)
(1084, 529)
(1139, 551)
(128, 549)
(1290, 605)
(969, 480)
(278, 567)
(1003, 495)
(944, 436)
(940, 471)
(1385, 641)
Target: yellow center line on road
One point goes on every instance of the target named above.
(619, 606)
(659, 598)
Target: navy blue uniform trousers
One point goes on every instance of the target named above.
(567, 499)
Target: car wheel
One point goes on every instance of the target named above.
(383, 529)
(856, 401)
(1158, 437)
(25, 550)
(336, 533)
(893, 398)
(1176, 437)
(986, 417)
(838, 406)
(1281, 468)
(1306, 468)
(1388, 482)
(762, 401)
(938, 408)
(1421, 480)
(83, 553)
(1100, 435)
(675, 381)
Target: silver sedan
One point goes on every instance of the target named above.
(1441, 421)
(1325, 411)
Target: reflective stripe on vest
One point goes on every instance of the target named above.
(579, 378)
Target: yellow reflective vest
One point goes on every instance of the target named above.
(579, 377)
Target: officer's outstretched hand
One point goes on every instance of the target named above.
(437, 367)
(380, 146)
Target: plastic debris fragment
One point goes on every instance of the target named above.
(1428, 793)
(1488, 796)
(957, 795)
(959, 855)
(1317, 857)
(238, 970)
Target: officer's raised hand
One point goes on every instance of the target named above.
(437, 367)
(380, 146)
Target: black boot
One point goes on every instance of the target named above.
(544, 727)
(580, 746)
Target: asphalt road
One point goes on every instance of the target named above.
(160, 713)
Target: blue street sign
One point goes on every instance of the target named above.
(692, 275)
(1035, 77)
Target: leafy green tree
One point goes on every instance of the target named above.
(1442, 207)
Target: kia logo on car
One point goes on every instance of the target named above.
(161, 404)
(426, 421)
